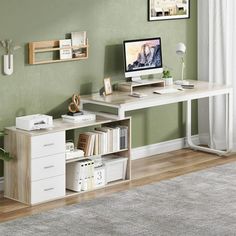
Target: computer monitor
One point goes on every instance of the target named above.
(142, 57)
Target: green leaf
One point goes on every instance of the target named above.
(5, 156)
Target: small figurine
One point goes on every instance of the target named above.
(74, 106)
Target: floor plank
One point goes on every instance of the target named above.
(144, 171)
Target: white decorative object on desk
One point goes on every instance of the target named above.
(181, 51)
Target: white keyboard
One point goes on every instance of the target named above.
(166, 91)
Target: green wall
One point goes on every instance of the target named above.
(47, 88)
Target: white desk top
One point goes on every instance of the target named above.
(123, 100)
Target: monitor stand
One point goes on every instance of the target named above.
(136, 79)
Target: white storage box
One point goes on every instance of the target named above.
(115, 168)
(73, 179)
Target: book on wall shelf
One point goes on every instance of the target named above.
(78, 39)
(65, 53)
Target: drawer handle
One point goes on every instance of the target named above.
(49, 167)
(48, 189)
(48, 144)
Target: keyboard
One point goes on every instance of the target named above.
(166, 91)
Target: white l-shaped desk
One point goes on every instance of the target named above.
(123, 103)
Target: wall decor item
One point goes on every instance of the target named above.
(78, 39)
(9, 47)
(107, 86)
(168, 9)
(67, 52)
(52, 46)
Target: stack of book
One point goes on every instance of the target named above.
(80, 175)
(103, 140)
(85, 117)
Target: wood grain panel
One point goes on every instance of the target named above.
(17, 172)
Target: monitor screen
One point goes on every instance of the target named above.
(142, 56)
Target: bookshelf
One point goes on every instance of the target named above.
(38, 172)
(51, 46)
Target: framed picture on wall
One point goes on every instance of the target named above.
(168, 9)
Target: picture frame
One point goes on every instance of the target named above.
(168, 9)
(107, 86)
(78, 39)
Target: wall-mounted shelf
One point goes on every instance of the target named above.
(53, 46)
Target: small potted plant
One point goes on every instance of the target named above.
(4, 155)
(166, 75)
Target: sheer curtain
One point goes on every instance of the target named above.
(216, 63)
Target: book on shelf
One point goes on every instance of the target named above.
(86, 143)
(123, 136)
(86, 117)
(78, 39)
(103, 140)
(67, 52)
(109, 137)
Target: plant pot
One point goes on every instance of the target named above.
(168, 81)
(8, 64)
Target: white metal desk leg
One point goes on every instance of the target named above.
(188, 134)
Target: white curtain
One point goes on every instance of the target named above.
(216, 63)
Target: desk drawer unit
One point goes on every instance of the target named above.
(48, 144)
(46, 167)
(47, 189)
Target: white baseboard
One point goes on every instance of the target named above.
(1, 184)
(158, 148)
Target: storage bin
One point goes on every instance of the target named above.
(115, 168)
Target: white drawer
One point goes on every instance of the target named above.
(45, 167)
(47, 189)
(48, 144)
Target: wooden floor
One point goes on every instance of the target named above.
(144, 171)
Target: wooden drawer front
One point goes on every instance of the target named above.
(48, 144)
(42, 168)
(47, 189)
